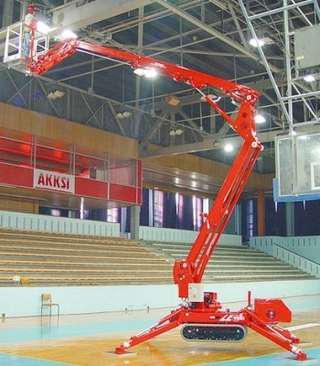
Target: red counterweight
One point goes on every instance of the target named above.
(272, 311)
(203, 319)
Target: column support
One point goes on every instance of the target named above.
(290, 218)
(261, 214)
(238, 220)
(134, 222)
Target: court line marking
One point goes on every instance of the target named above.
(303, 326)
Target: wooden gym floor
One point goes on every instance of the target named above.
(68, 347)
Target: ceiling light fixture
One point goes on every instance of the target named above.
(309, 78)
(256, 42)
(149, 73)
(259, 118)
(67, 34)
(43, 27)
(228, 148)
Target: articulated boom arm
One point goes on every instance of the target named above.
(203, 319)
(191, 269)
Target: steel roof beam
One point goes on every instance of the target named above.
(214, 32)
(71, 15)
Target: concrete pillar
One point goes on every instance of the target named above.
(134, 221)
(261, 213)
(238, 220)
(7, 17)
(290, 218)
(123, 219)
(151, 207)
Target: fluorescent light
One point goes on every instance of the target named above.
(149, 73)
(309, 78)
(228, 148)
(126, 114)
(259, 118)
(67, 34)
(139, 71)
(43, 27)
(256, 42)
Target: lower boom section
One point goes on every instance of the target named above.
(217, 333)
(206, 321)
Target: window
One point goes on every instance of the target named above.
(122, 172)
(197, 212)
(179, 209)
(113, 215)
(158, 209)
(206, 205)
(15, 152)
(90, 167)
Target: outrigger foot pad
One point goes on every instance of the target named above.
(120, 350)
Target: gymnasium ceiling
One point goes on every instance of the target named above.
(214, 41)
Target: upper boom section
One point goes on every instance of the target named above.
(198, 80)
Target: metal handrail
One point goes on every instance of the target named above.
(292, 252)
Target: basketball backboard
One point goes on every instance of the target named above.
(297, 167)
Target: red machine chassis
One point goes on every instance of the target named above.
(263, 316)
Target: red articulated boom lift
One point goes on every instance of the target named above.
(202, 318)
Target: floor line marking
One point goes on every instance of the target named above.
(303, 326)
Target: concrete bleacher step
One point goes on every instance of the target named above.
(84, 259)
(256, 256)
(28, 249)
(6, 280)
(100, 267)
(258, 277)
(71, 246)
(187, 246)
(29, 272)
(217, 250)
(13, 263)
(64, 238)
(245, 262)
(184, 249)
(56, 259)
(40, 263)
(232, 256)
(138, 272)
(85, 281)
